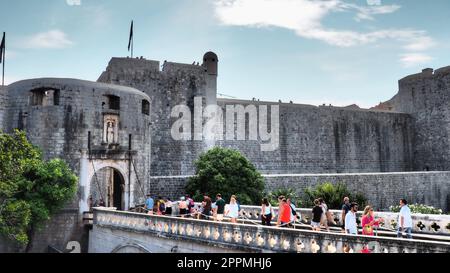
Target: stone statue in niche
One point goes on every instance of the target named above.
(110, 129)
(110, 132)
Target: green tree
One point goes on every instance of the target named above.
(31, 189)
(227, 172)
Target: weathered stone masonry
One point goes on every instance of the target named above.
(87, 124)
(135, 97)
(426, 97)
(381, 189)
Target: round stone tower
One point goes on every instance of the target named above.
(101, 130)
(210, 63)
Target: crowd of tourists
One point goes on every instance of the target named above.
(287, 216)
(206, 210)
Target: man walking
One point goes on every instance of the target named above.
(404, 220)
(149, 204)
(220, 204)
(345, 210)
(350, 220)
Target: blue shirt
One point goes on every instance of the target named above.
(149, 203)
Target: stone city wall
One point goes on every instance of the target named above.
(426, 96)
(331, 140)
(381, 189)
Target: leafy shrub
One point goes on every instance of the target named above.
(333, 195)
(31, 189)
(418, 209)
(287, 192)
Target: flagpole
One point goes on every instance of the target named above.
(3, 73)
(131, 39)
(4, 54)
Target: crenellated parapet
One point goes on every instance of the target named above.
(168, 84)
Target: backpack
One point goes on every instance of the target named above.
(162, 206)
(293, 211)
(191, 203)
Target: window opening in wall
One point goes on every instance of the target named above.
(45, 97)
(113, 102)
(145, 107)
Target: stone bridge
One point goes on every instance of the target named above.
(116, 231)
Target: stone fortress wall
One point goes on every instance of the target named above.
(409, 133)
(59, 116)
(173, 85)
(332, 140)
(312, 139)
(426, 97)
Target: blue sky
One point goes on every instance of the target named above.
(334, 51)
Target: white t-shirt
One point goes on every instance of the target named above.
(233, 210)
(407, 219)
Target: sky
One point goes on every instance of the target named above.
(337, 52)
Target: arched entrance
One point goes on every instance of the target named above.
(108, 185)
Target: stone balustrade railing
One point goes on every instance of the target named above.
(423, 223)
(253, 238)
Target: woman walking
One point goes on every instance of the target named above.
(325, 215)
(266, 212)
(284, 214)
(168, 207)
(233, 209)
(368, 221)
(207, 208)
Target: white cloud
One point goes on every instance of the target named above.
(414, 59)
(73, 2)
(373, 2)
(305, 18)
(51, 39)
(367, 13)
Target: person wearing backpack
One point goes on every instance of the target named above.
(294, 213)
(160, 206)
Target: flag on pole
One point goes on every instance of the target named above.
(131, 37)
(2, 49)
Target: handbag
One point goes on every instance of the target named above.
(368, 229)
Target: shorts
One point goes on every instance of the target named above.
(315, 224)
(219, 217)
